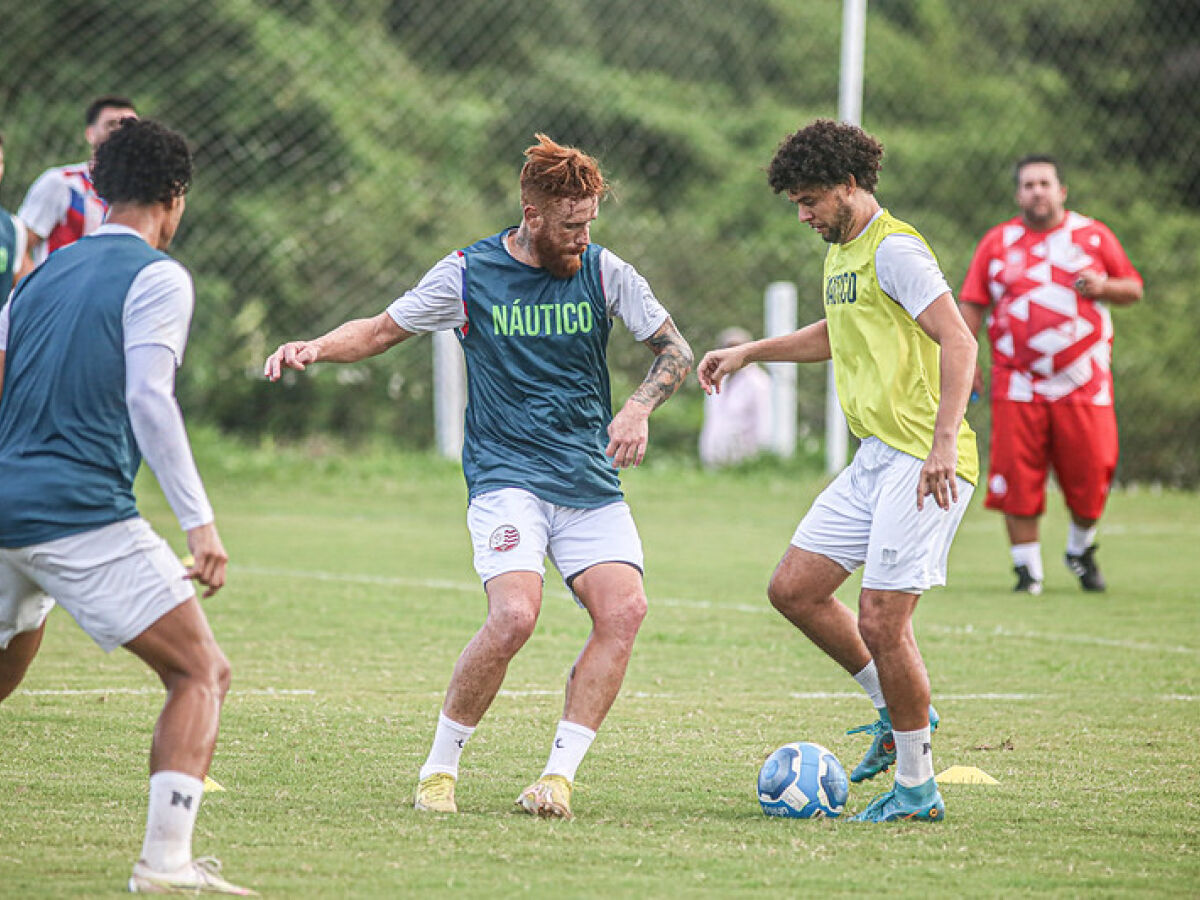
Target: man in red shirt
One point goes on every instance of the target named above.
(1047, 277)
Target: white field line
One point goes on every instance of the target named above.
(758, 609)
(139, 691)
(1002, 632)
(794, 695)
(857, 695)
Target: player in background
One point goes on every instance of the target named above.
(89, 344)
(902, 358)
(737, 419)
(1046, 276)
(62, 205)
(532, 307)
(12, 243)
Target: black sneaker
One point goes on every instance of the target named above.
(1026, 583)
(1085, 569)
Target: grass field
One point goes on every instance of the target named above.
(351, 594)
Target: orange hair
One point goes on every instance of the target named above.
(552, 172)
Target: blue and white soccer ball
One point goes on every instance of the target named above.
(802, 781)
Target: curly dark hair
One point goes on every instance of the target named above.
(142, 162)
(825, 153)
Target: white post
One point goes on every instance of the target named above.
(779, 317)
(449, 393)
(850, 79)
(850, 83)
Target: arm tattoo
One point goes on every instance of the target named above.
(672, 362)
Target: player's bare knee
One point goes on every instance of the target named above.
(624, 619)
(791, 599)
(877, 631)
(206, 669)
(509, 628)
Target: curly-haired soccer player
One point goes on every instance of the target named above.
(903, 359)
(89, 344)
(533, 307)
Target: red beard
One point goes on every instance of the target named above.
(556, 261)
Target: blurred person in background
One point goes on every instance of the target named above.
(12, 242)
(737, 419)
(1044, 279)
(89, 345)
(902, 358)
(533, 307)
(62, 205)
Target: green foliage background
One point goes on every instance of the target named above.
(343, 147)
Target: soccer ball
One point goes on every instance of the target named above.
(802, 781)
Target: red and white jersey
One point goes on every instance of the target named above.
(61, 207)
(1049, 343)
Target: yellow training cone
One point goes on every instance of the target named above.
(210, 785)
(965, 775)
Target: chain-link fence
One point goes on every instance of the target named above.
(343, 147)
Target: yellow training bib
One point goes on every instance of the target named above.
(885, 365)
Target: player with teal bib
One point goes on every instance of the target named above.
(533, 307)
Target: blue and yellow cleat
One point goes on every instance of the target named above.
(881, 755)
(922, 803)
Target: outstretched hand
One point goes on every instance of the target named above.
(716, 365)
(292, 355)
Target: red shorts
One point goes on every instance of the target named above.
(1078, 440)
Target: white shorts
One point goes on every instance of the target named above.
(869, 515)
(513, 530)
(115, 581)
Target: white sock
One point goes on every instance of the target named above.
(1079, 539)
(1029, 556)
(448, 743)
(170, 820)
(914, 757)
(868, 680)
(571, 743)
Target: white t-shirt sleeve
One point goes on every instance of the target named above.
(158, 313)
(436, 303)
(908, 273)
(158, 429)
(4, 326)
(628, 296)
(46, 203)
(158, 308)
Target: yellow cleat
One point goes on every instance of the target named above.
(548, 798)
(436, 794)
(200, 876)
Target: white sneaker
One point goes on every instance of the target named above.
(200, 876)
